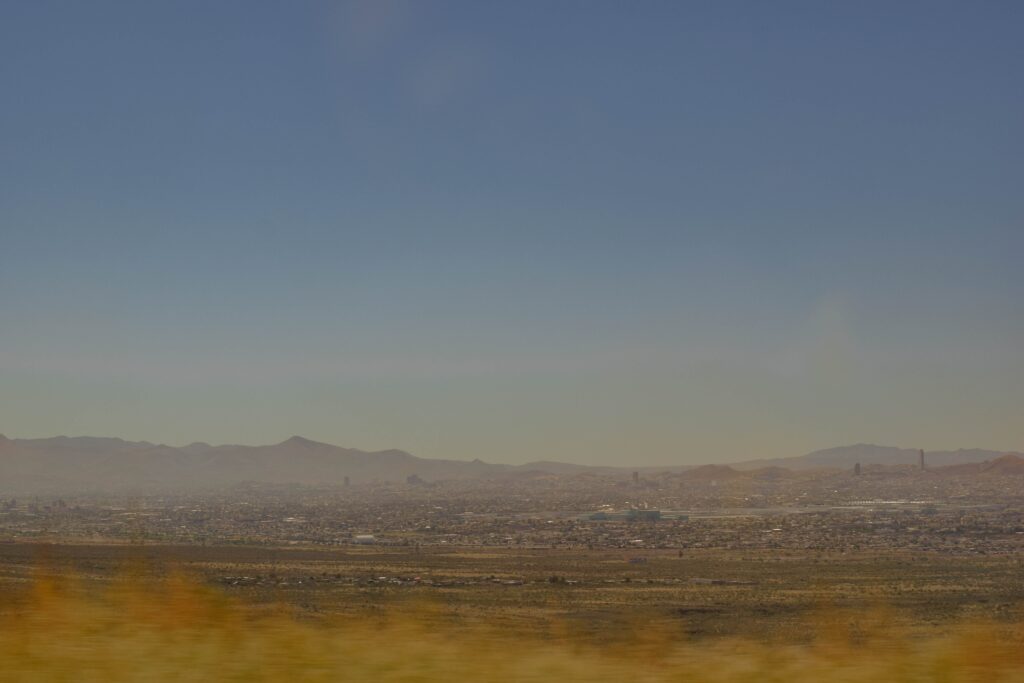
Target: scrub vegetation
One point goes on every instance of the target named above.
(177, 629)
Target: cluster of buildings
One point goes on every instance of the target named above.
(801, 511)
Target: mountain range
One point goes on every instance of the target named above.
(84, 464)
(870, 454)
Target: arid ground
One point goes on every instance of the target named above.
(696, 594)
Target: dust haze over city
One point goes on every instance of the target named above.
(511, 341)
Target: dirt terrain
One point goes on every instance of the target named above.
(698, 593)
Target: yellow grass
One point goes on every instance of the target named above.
(179, 631)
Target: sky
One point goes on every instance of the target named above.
(598, 232)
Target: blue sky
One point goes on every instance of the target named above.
(661, 232)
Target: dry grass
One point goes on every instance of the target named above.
(178, 630)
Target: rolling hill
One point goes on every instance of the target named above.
(88, 463)
(844, 457)
(83, 464)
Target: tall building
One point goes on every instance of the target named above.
(920, 458)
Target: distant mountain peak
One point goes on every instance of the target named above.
(300, 441)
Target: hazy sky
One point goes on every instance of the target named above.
(651, 232)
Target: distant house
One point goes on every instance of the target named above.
(364, 539)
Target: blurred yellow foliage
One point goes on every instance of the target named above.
(179, 630)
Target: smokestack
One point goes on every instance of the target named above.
(920, 458)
